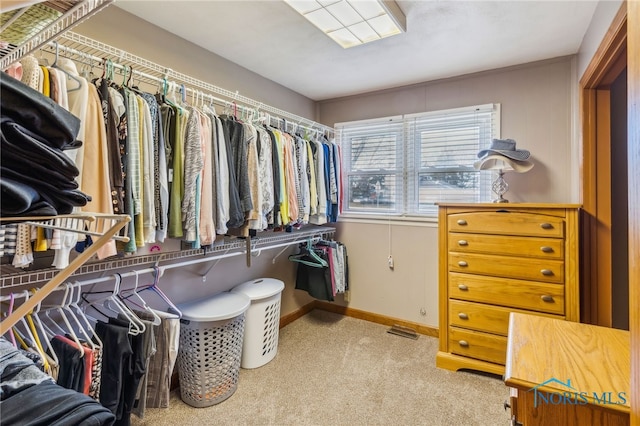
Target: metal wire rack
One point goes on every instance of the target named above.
(264, 240)
(94, 50)
(27, 29)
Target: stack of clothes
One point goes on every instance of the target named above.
(37, 177)
(29, 396)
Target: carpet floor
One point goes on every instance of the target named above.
(336, 370)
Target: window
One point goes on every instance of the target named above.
(406, 164)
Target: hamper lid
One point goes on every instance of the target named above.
(260, 288)
(219, 307)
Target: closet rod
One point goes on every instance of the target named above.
(161, 269)
(97, 62)
(94, 47)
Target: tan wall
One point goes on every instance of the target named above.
(409, 291)
(602, 17)
(150, 42)
(537, 103)
(538, 111)
(143, 39)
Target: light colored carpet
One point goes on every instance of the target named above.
(336, 370)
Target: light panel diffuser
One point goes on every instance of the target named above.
(352, 22)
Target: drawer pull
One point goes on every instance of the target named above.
(546, 272)
(546, 249)
(546, 225)
(463, 343)
(462, 287)
(547, 298)
(462, 222)
(463, 316)
(463, 243)
(462, 263)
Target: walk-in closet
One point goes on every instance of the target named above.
(327, 212)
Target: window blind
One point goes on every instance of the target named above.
(373, 157)
(442, 147)
(407, 164)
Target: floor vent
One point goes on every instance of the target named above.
(400, 330)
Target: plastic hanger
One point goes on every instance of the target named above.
(309, 257)
(70, 331)
(136, 326)
(29, 338)
(13, 338)
(154, 287)
(81, 327)
(69, 76)
(74, 304)
(46, 333)
(143, 304)
(115, 305)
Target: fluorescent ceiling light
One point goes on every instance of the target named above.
(353, 22)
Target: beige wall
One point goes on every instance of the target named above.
(602, 18)
(143, 39)
(538, 111)
(155, 44)
(537, 103)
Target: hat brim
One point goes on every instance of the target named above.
(495, 161)
(518, 154)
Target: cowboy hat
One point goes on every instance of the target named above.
(507, 148)
(495, 161)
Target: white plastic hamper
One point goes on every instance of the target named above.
(262, 325)
(211, 335)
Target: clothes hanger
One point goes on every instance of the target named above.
(36, 340)
(309, 257)
(115, 305)
(136, 326)
(142, 303)
(28, 338)
(69, 75)
(74, 304)
(81, 327)
(46, 333)
(70, 331)
(154, 287)
(12, 337)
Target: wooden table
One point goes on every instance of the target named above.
(567, 373)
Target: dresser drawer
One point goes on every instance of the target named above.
(544, 248)
(508, 223)
(506, 292)
(475, 344)
(476, 316)
(545, 270)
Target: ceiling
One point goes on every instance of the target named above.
(443, 39)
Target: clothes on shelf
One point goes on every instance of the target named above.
(38, 178)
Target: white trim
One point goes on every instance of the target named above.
(454, 110)
(370, 120)
(396, 220)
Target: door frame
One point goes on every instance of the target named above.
(607, 63)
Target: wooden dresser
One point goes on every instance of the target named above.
(496, 259)
(567, 373)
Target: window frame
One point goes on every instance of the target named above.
(407, 195)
